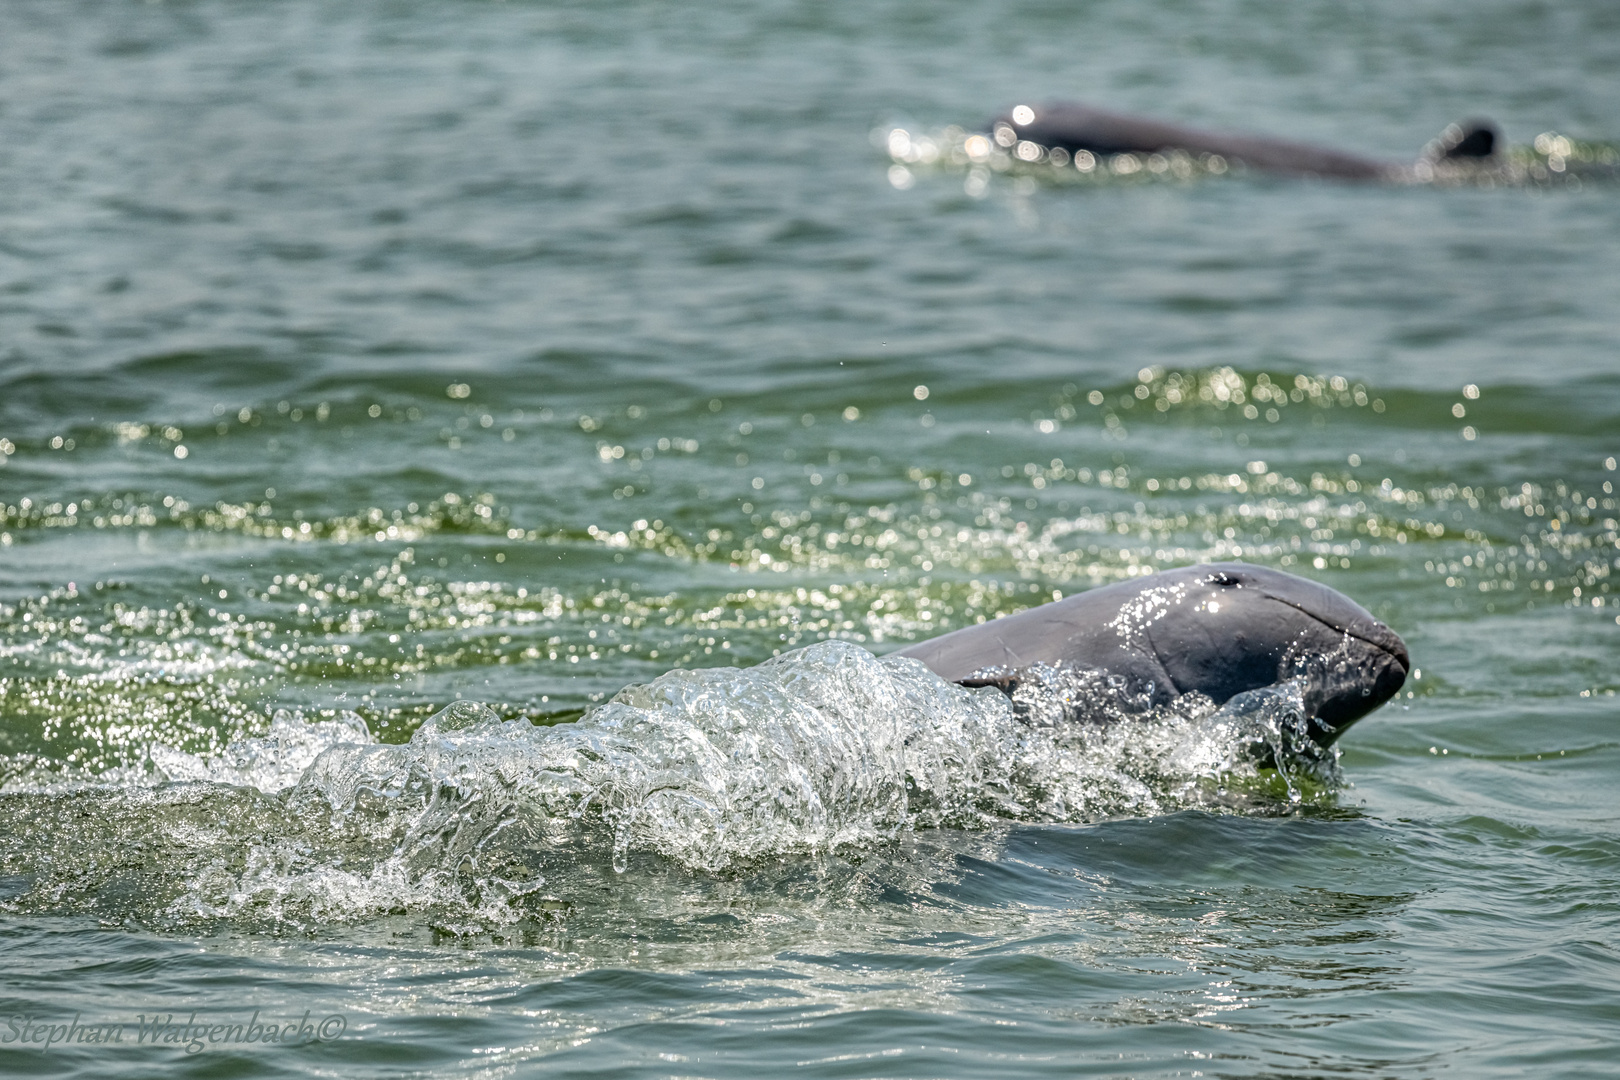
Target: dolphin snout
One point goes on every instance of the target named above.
(1369, 671)
(1354, 662)
(1382, 638)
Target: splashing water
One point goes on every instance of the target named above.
(821, 750)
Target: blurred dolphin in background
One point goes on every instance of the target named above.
(1074, 127)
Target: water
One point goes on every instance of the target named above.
(357, 361)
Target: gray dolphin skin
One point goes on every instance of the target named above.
(1073, 127)
(1219, 629)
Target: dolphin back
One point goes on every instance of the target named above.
(1080, 127)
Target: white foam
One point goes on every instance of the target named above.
(825, 749)
(271, 763)
(822, 748)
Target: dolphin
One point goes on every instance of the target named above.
(1219, 629)
(1075, 127)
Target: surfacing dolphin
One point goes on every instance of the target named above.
(1075, 127)
(1218, 629)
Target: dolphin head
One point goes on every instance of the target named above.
(1238, 627)
(1219, 629)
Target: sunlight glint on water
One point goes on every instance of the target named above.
(363, 363)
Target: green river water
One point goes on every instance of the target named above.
(362, 361)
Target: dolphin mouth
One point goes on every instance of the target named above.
(1376, 634)
(1383, 664)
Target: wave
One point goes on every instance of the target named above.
(824, 750)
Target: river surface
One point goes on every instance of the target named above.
(366, 363)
